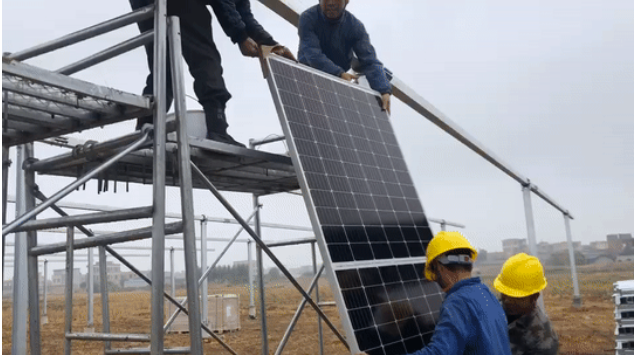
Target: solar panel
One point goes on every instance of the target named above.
(370, 226)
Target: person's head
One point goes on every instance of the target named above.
(449, 259)
(520, 281)
(333, 9)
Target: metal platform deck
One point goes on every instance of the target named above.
(39, 104)
(230, 168)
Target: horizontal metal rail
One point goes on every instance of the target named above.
(89, 218)
(141, 351)
(108, 337)
(123, 47)
(254, 142)
(447, 223)
(291, 242)
(90, 32)
(107, 239)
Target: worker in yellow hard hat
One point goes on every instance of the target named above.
(471, 320)
(530, 331)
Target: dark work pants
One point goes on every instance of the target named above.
(199, 52)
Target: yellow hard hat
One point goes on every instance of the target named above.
(442, 243)
(522, 275)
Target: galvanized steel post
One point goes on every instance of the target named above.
(204, 304)
(577, 301)
(20, 282)
(89, 285)
(317, 297)
(158, 176)
(103, 290)
(529, 218)
(187, 199)
(45, 318)
(261, 281)
(68, 290)
(252, 304)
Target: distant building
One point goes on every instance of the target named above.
(514, 246)
(564, 246)
(59, 277)
(599, 245)
(617, 242)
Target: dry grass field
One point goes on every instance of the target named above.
(588, 330)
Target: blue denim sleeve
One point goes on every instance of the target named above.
(372, 67)
(310, 52)
(451, 333)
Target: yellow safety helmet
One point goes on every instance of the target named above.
(442, 243)
(522, 275)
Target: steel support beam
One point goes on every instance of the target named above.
(108, 337)
(577, 300)
(89, 218)
(123, 47)
(90, 32)
(204, 302)
(68, 291)
(20, 270)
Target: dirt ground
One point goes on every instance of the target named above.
(587, 330)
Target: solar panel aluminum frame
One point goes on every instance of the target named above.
(330, 267)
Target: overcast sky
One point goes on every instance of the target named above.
(545, 85)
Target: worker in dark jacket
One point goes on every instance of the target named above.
(530, 331)
(472, 320)
(202, 56)
(328, 37)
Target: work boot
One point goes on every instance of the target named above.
(217, 126)
(143, 120)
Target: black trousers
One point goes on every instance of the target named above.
(199, 51)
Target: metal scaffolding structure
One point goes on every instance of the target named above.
(40, 105)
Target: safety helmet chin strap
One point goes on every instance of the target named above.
(461, 259)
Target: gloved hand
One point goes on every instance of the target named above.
(349, 77)
(283, 51)
(385, 102)
(249, 48)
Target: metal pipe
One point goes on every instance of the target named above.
(20, 282)
(147, 351)
(108, 337)
(291, 242)
(187, 198)
(85, 153)
(103, 288)
(577, 301)
(252, 304)
(264, 247)
(204, 276)
(90, 218)
(261, 283)
(443, 223)
(68, 189)
(90, 285)
(32, 261)
(68, 291)
(529, 218)
(254, 142)
(6, 163)
(298, 312)
(123, 47)
(104, 27)
(46, 287)
(317, 296)
(172, 280)
(158, 176)
(122, 237)
(204, 301)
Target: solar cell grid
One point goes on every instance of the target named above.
(364, 207)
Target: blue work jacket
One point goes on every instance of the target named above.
(472, 321)
(328, 45)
